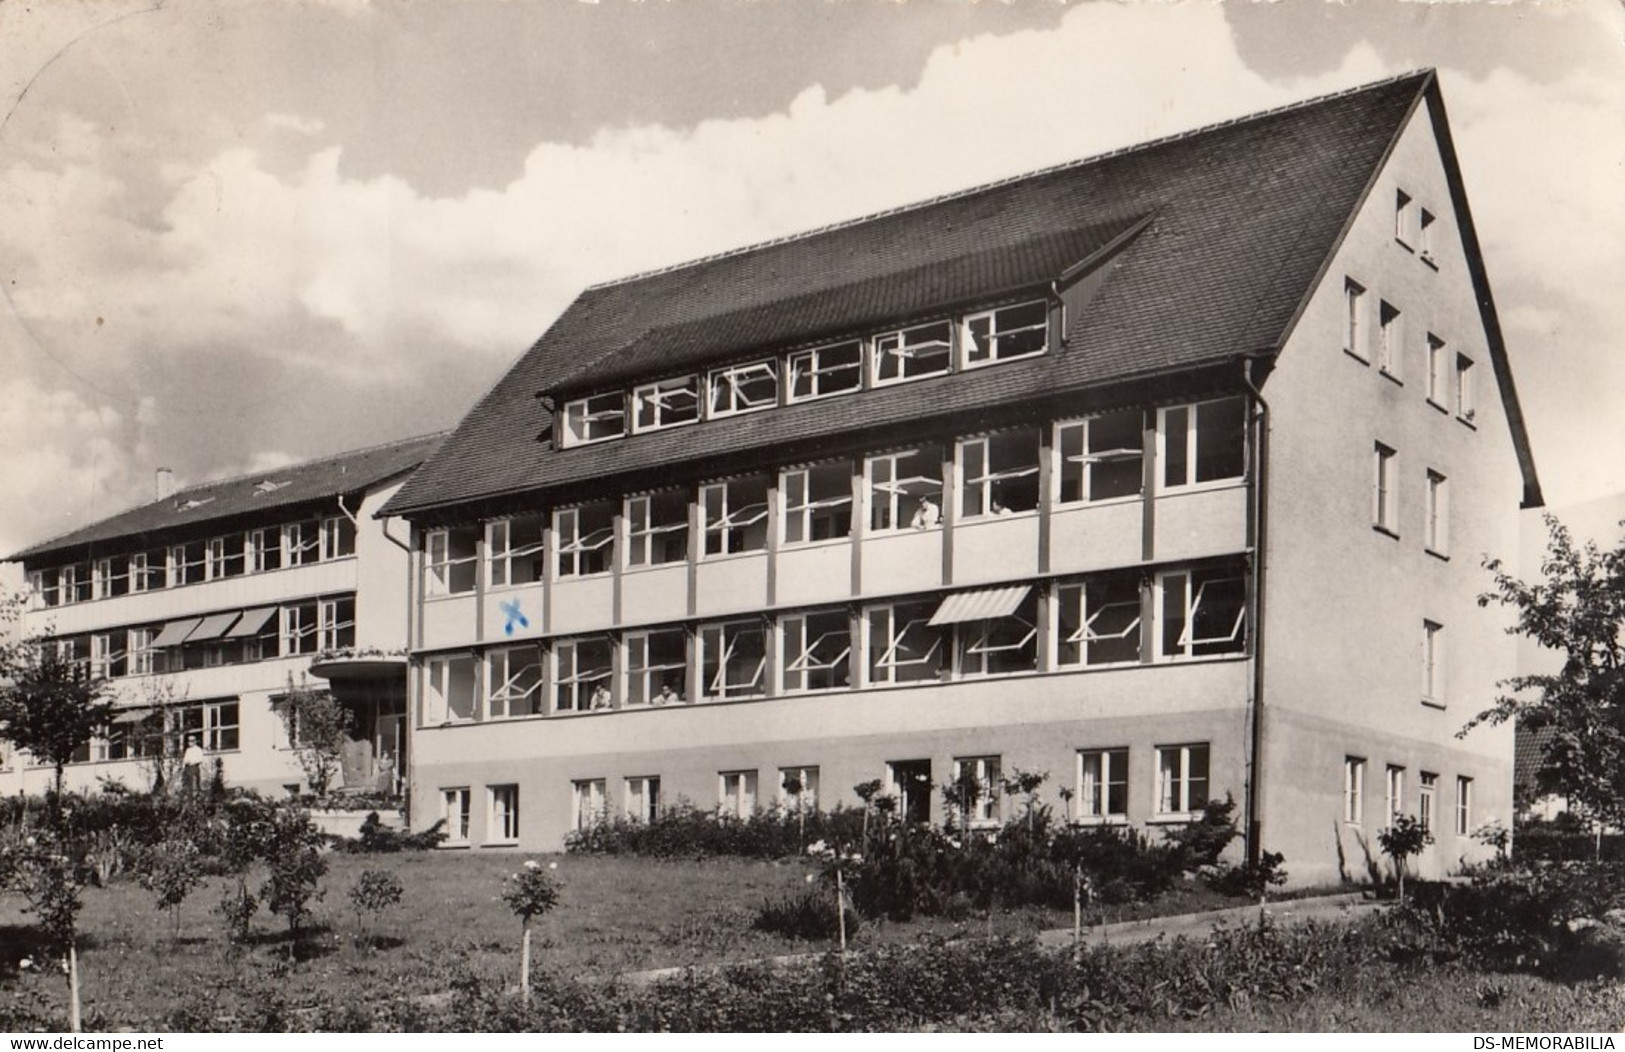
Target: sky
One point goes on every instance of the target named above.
(238, 235)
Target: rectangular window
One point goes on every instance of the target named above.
(977, 780)
(912, 354)
(733, 659)
(514, 550)
(1102, 784)
(214, 723)
(450, 557)
(594, 419)
(74, 583)
(1426, 797)
(1466, 404)
(586, 539)
(736, 794)
(589, 803)
(1393, 804)
(902, 645)
(1101, 458)
(338, 537)
(1099, 621)
(1432, 662)
(451, 686)
(454, 810)
(43, 583)
(910, 782)
(1384, 512)
(226, 557)
(502, 814)
(107, 655)
(1437, 379)
(1182, 779)
(1402, 219)
(1203, 612)
(824, 371)
(1464, 805)
(656, 666)
(666, 403)
(643, 799)
(301, 625)
(1354, 323)
(581, 672)
(265, 549)
(733, 516)
(186, 565)
(1006, 333)
(817, 502)
(1438, 513)
(1354, 789)
(743, 388)
(1201, 443)
(999, 473)
(513, 682)
(337, 623)
(999, 646)
(816, 651)
(657, 528)
(301, 543)
(112, 576)
(1390, 339)
(138, 645)
(798, 788)
(905, 488)
(1425, 231)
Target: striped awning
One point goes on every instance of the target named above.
(213, 627)
(980, 604)
(253, 621)
(176, 632)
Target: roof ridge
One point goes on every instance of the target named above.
(953, 195)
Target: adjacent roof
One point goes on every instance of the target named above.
(1211, 243)
(247, 495)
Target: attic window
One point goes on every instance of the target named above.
(666, 403)
(1006, 333)
(1403, 230)
(913, 354)
(1427, 223)
(744, 388)
(823, 371)
(594, 419)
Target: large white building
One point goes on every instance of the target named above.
(201, 607)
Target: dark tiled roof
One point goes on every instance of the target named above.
(1528, 755)
(248, 495)
(1243, 217)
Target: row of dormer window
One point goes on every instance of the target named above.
(230, 638)
(1449, 374)
(1093, 621)
(876, 360)
(193, 562)
(1098, 458)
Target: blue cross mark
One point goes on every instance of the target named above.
(515, 618)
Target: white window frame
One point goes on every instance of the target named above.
(1087, 458)
(1098, 771)
(1356, 334)
(810, 363)
(801, 657)
(437, 699)
(581, 682)
(908, 343)
(1427, 799)
(1078, 593)
(501, 554)
(975, 645)
(261, 549)
(644, 679)
(456, 811)
(986, 770)
(1402, 219)
(439, 565)
(301, 628)
(1425, 223)
(44, 597)
(578, 421)
(658, 395)
(1193, 447)
(103, 655)
(1394, 792)
(1438, 513)
(589, 802)
(502, 813)
(801, 508)
(505, 696)
(1174, 780)
(642, 798)
(725, 389)
(900, 499)
(1390, 338)
(1192, 594)
(1433, 685)
(572, 548)
(1466, 401)
(1354, 789)
(737, 794)
(1464, 805)
(969, 343)
(1438, 396)
(642, 533)
(721, 527)
(333, 533)
(330, 617)
(138, 648)
(1384, 498)
(980, 491)
(883, 655)
(722, 636)
(807, 800)
(301, 543)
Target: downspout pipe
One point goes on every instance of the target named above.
(1260, 530)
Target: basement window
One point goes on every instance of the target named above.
(733, 516)
(977, 780)
(1204, 613)
(817, 502)
(913, 354)
(594, 419)
(816, 652)
(1006, 333)
(1099, 621)
(1203, 443)
(743, 388)
(586, 539)
(1102, 458)
(666, 403)
(824, 371)
(733, 660)
(999, 473)
(1182, 780)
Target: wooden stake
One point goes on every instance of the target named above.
(524, 964)
(73, 988)
(840, 906)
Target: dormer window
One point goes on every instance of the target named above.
(1006, 333)
(666, 403)
(913, 354)
(823, 371)
(594, 419)
(743, 388)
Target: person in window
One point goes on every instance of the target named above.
(600, 697)
(927, 514)
(999, 510)
(192, 765)
(667, 696)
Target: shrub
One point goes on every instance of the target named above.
(291, 849)
(374, 891)
(808, 914)
(1406, 837)
(375, 838)
(170, 870)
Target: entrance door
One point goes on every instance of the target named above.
(911, 781)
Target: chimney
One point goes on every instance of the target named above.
(166, 483)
